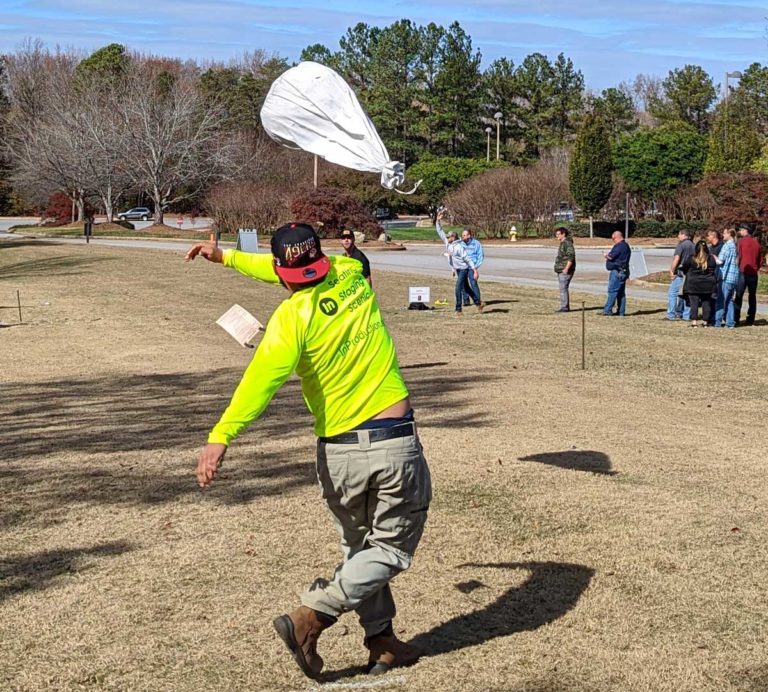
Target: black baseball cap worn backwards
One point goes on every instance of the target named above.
(298, 258)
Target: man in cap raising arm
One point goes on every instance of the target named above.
(370, 463)
(461, 265)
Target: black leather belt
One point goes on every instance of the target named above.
(374, 434)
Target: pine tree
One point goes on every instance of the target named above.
(734, 143)
(590, 170)
(459, 83)
(688, 97)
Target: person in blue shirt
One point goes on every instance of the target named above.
(475, 251)
(728, 267)
(617, 263)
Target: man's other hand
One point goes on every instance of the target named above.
(209, 463)
(476, 275)
(207, 250)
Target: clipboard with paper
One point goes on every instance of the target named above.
(240, 324)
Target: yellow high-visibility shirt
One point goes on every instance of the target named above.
(333, 336)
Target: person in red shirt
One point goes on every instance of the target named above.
(750, 260)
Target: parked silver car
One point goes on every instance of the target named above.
(142, 213)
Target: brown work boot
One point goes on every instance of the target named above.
(300, 631)
(387, 651)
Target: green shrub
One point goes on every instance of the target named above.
(644, 228)
(602, 229)
(651, 228)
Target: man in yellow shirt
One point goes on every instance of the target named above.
(370, 463)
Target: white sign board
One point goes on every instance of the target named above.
(418, 294)
(247, 240)
(637, 266)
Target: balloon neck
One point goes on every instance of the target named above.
(393, 176)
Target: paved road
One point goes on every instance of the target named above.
(517, 265)
(171, 220)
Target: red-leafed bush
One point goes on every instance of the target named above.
(60, 208)
(737, 197)
(329, 210)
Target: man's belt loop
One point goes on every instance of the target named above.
(364, 439)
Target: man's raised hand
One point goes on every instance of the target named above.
(207, 250)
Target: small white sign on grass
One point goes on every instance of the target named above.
(418, 294)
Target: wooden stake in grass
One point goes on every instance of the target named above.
(583, 336)
(18, 302)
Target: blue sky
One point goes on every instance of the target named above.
(608, 41)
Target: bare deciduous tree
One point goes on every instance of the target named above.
(45, 150)
(263, 206)
(492, 202)
(175, 145)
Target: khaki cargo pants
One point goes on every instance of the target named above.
(378, 494)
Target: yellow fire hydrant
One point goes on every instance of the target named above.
(513, 234)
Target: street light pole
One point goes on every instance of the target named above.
(735, 75)
(487, 143)
(497, 117)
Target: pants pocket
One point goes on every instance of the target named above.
(332, 474)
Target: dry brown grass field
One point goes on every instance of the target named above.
(591, 530)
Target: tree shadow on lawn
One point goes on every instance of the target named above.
(65, 265)
(128, 413)
(20, 573)
(551, 590)
(9, 243)
(163, 415)
(575, 460)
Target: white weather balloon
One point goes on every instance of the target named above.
(310, 107)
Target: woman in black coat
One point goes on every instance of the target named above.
(700, 285)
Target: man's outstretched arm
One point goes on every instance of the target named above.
(255, 266)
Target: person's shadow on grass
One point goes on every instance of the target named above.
(587, 460)
(551, 590)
